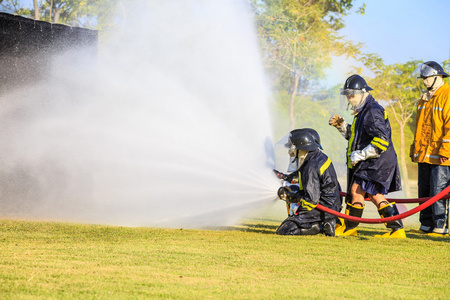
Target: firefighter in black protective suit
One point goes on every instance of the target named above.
(317, 183)
(372, 162)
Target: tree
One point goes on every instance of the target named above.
(14, 7)
(298, 38)
(95, 14)
(72, 12)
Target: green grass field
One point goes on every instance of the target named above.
(42, 260)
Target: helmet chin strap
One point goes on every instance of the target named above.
(434, 81)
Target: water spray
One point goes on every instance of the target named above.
(169, 127)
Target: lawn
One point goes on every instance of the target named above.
(247, 261)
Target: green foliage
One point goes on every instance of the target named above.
(63, 11)
(13, 6)
(314, 113)
(299, 37)
(395, 86)
(248, 261)
(95, 14)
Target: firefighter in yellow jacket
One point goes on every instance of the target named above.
(431, 146)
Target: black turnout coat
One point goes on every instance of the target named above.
(371, 126)
(318, 184)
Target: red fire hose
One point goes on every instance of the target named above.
(441, 195)
(416, 200)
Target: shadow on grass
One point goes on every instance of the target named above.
(422, 236)
(270, 229)
(363, 233)
(257, 228)
(409, 235)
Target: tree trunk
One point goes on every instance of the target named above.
(404, 170)
(37, 15)
(57, 14)
(291, 102)
(51, 7)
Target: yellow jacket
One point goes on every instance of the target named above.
(432, 136)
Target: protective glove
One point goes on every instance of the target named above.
(340, 124)
(287, 194)
(280, 175)
(360, 155)
(336, 121)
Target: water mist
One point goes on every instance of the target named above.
(168, 127)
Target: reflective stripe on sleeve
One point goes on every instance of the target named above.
(307, 205)
(325, 166)
(382, 144)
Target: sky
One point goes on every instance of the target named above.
(398, 31)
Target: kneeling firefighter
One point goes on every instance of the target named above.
(372, 162)
(317, 183)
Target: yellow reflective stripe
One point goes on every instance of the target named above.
(307, 205)
(325, 166)
(349, 204)
(392, 203)
(300, 185)
(350, 142)
(385, 115)
(384, 148)
(377, 139)
(380, 143)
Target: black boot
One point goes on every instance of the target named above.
(349, 227)
(329, 227)
(396, 227)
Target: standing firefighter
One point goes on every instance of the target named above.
(317, 183)
(431, 146)
(372, 162)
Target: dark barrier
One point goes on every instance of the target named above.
(28, 47)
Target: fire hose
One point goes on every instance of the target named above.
(425, 204)
(416, 200)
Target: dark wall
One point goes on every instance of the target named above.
(27, 48)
